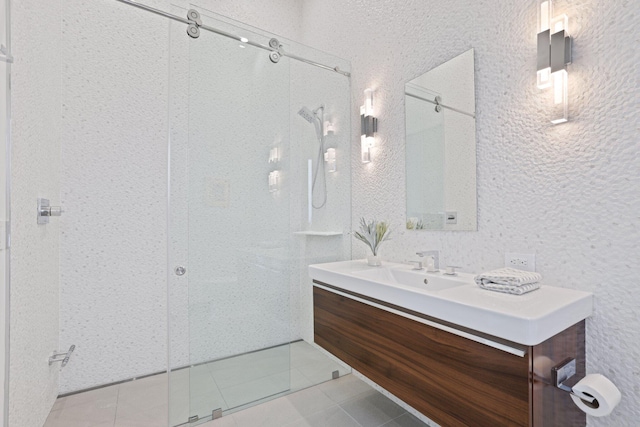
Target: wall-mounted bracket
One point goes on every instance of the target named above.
(277, 53)
(554, 50)
(45, 211)
(193, 28)
(438, 101)
(561, 373)
(368, 125)
(61, 357)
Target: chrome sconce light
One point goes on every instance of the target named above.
(368, 127)
(554, 53)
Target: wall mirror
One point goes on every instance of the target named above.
(441, 147)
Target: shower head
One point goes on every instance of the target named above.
(306, 114)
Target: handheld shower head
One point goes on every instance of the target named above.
(316, 117)
(306, 114)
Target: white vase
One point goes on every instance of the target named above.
(374, 260)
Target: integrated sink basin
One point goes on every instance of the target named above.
(527, 319)
(418, 279)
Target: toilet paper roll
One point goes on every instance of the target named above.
(604, 391)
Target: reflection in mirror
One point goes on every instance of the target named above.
(441, 147)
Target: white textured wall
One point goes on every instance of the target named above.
(35, 173)
(569, 193)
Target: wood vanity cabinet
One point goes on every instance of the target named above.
(453, 380)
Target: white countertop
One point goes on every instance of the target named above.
(527, 319)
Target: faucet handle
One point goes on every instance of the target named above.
(451, 270)
(418, 265)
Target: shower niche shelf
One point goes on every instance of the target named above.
(318, 233)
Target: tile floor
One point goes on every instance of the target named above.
(231, 384)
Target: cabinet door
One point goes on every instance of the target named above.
(450, 379)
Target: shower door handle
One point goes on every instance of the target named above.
(180, 270)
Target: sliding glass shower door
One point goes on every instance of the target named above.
(229, 223)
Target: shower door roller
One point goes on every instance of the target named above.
(180, 270)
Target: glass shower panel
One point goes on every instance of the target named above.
(230, 226)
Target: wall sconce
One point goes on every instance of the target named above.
(273, 181)
(554, 53)
(273, 155)
(330, 158)
(368, 127)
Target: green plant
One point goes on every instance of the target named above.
(373, 233)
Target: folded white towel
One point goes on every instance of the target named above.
(509, 276)
(516, 290)
(509, 280)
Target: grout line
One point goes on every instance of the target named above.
(305, 417)
(262, 375)
(393, 419)
(219, 392)
(305, 377)
(115, 413)
(349, 415)
(357, 396)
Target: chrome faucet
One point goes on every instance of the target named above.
(435, 255)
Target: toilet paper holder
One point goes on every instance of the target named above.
(561, 373)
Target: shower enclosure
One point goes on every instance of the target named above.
(232, 217)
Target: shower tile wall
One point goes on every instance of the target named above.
(35, 173)
(569, 193)
(113, 233)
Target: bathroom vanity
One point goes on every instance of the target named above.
(461, 355)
